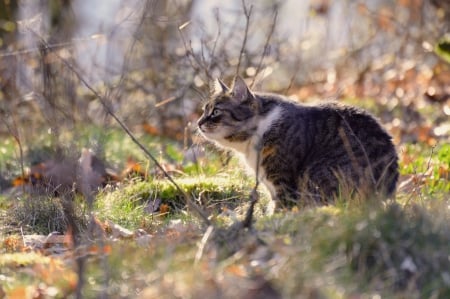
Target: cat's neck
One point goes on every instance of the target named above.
(269, 102)
(252, 144)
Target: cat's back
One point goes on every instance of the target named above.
(319, 119)
(355, 122)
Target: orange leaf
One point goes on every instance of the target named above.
(93, 249)
(362, 8)
(164, 208)
(424, 134)
(19, 181)
(107, 249)
(19, 293)
(237, 270)
(152, 130)
(133, 168)
(444, 172)
(385, 19)
(68, 238)
(13, 243)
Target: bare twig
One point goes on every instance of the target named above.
(201, 246)
(254, 197)
(247, 13)
(130, 49)
(213, 51)
(266, 45)
(103, 101)
(108, 109)
(418, 183)
(194, 60)
(14, 131)
(54, 46)
(429, 159)
(297, 68)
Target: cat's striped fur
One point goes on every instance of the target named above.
(302, 153)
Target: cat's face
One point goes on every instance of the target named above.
(229, 114)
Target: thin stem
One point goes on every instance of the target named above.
(266, 45)
(247, 13)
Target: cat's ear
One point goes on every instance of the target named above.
(241, 92)
(218, 87)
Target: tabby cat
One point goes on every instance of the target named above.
(302, 153)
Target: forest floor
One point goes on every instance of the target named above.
(140, 240)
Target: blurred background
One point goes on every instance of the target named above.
(152, 61)
(70, 70)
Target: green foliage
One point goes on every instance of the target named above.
(348, 249)
(430, 168)
(132, 204)
(442, 48)
(40, 214)
(115, 146)
(444, 154)
(403, 249)
(111, 144)
(8, 154)
(160, 267)
(25, 270)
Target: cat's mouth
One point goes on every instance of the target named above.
(204, 129)
(210, 132)
(207, 130)
(205, 126)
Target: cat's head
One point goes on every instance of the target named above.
(230, 114)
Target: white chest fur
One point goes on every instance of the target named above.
(254, 145)
(250, 150)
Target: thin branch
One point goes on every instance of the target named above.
(190, 203)
(55, 46)
(202, 244)
(213, 51)
(254, 197)
(266, 45)
(190, 54)
(14, 131)
(103, 101)
(247, 13)
(108, 109)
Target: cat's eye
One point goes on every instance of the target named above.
(216, 112)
